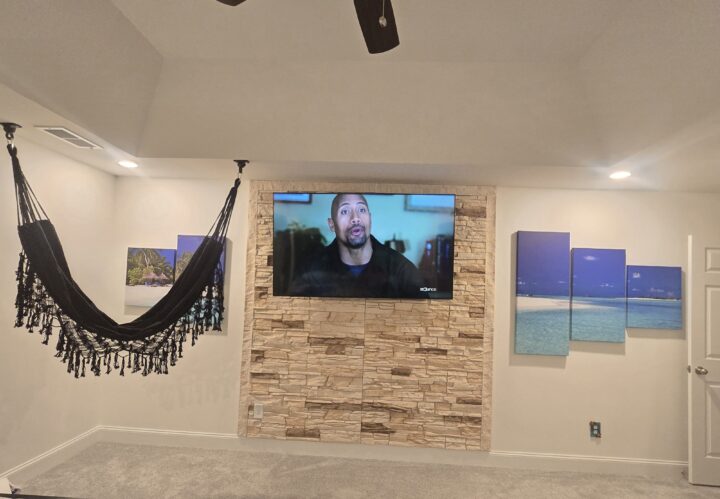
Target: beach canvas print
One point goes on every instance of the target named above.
(654, 297)
(542, 319)
(598, 295)
(150, 274)
(186, 248)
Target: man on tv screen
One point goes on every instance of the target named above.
(355, 263)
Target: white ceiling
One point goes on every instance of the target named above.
(514, 92)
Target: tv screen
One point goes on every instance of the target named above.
(363, 245)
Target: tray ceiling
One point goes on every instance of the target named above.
(486, 84)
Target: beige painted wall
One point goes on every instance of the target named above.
(41, 406)
(540, 404)
(637, 390)
(201, 392)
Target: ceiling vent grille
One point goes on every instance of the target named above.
(69, 137)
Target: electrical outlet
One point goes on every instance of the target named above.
(257, 411)
(595, 429)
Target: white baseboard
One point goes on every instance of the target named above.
(176, 438)
(661, 469)
(50, 458)
(656, 468)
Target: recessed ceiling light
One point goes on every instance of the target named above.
(127, 164)
(619, 175)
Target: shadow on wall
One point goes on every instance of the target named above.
(658, 334)
(598, 347)
(193, 391)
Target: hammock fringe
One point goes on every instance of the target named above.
(77, 347)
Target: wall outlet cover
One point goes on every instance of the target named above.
(595, 431)
(258, 411)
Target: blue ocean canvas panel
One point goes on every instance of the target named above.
(186, 248)
(654, 297)
(598, 295)
(542, 289)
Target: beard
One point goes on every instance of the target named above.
(355, 241)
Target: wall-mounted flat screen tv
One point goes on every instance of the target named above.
(363, 245)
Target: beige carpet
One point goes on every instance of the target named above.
(107, 470)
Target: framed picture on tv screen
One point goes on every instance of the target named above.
(363, 245)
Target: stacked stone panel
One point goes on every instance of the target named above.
(390, 372)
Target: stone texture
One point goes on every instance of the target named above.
(401, 371)
(376, 428)
(431, 351)
(302, 433)
(387, 372)
(469, 401)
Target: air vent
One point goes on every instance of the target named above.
(71, 138)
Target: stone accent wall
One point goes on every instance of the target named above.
(398, 372)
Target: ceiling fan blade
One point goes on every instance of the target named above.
(232, 3)
(379, 36)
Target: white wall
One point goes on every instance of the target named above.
(201, 392)
(541, 404)
(42, 406)
(637, 390)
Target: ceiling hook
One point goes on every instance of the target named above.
(241, 163)
(10, 131)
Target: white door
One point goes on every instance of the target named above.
(704, 352)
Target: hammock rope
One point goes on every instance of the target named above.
(49, 299)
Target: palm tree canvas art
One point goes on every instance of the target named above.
(150, 274)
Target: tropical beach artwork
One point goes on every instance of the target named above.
(654, 297)
(598, 295)
(186, 248)
(150, 274)
(542, 318)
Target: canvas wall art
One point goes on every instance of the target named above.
(542, 319)
(654, 297)
(186, 248)
(150, 274)
(598, 295)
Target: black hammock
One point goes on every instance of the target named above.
(48, 298)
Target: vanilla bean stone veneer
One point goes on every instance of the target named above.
(397, 372)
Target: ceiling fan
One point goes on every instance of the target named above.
(377, 21)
